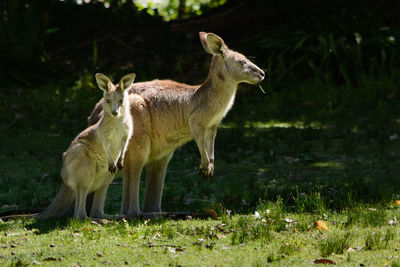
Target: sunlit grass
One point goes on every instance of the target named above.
(274, 124)
(329, 164)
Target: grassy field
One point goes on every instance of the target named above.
(283, 162)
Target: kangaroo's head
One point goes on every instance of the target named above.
(114, 94)
(236, 65)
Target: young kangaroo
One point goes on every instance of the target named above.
(90, 163)
(168, 114)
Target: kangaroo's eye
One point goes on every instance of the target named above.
(108, 100)
(242, 62)
(120, 101)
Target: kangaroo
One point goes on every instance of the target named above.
(90, 163)
(167, 114)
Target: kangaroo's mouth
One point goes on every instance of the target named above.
(260, 78)
(257, 78)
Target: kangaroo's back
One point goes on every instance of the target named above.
(158, 94)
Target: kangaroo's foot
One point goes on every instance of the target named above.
(82, 218)
(100, 215)
(131, 214)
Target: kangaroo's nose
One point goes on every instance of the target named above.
(114, 113)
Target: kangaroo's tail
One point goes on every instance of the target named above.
(59, 205)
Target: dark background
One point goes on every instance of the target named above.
(308, 48)
(333, 76)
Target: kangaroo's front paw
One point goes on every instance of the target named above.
(120, 165)
(112, 168)
(206, 173)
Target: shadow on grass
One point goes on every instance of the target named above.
(312, 167)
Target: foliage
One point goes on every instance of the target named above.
(178, 9)
(335, 243)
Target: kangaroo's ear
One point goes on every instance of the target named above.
(127, 81)
(212, 43)
(103, 82)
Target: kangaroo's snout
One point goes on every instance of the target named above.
(258, 73)
(262, 74)
(114, 113)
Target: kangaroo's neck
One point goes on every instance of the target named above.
(219, 83)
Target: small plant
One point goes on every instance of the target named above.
(367, 216)
(378, 240)
(335, 243)
(311, 202)
(168, 231)
(289, 248)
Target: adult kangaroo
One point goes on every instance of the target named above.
(168, 114)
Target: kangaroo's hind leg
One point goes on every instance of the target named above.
(81, 173)
(155, 183)
(80, 203)
(134, 160)
(97, 210)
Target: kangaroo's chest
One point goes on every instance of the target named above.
(114, 139)
(218, 111)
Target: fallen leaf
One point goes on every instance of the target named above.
(220, 228)
(393, 221)
(257, 215)
(397, 202)
(323, 261)
(321, 226)
(50, 259)
(210, 213)
(105, 221)
(351, 250)
(288, 220)
(171, 249)
(220, 236)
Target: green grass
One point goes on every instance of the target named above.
(338, 165)
(238, 240)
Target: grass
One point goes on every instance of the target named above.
(292, 168)
(238, 240)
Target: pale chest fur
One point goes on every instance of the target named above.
(113, 137)
(221, 110)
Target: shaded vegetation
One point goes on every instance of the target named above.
(322, 144)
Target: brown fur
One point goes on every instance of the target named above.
(168, 114)
(91, 160)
